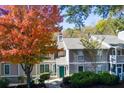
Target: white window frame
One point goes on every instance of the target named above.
(45, 68)
(9, 69)
(80, 53)
(80, 60)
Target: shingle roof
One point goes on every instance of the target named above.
(75, 43)
(110, 39)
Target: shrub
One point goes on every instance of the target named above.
(21, 79)
(4, 83)
(44, 77)
(84, 79)
(108, 79)
(66, 80)
(88, 79)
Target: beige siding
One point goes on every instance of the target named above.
(14, 69)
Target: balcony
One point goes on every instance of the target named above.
(117, 58)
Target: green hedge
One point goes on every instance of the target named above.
(108, 79)
(4, 83)
(88, 79)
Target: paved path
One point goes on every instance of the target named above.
(55, 83)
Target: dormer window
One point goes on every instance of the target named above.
(60, 37)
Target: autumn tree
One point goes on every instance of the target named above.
(26, 35)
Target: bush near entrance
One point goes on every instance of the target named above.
(89, 79)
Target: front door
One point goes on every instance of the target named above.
(119, 72)
(61, 71)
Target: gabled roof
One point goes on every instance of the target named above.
(110, 39)
(75, 43)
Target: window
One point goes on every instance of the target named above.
(6, 69)
(123, 67)
(80, 52)
(65, 71)
(113, 68)
(119, 52)
(41, 68)
(44, 68)
(80, 58)
(113, 52)
(80, 69)
(60, 37)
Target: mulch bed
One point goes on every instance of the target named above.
(120, 85)
(32, 86)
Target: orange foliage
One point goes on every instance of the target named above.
(26, 33)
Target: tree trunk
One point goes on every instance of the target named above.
(28, 80)
(28, 69)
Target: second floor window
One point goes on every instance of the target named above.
(80, 58)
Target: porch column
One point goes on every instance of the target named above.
(116, 54)
(67, 59)
(36, 70)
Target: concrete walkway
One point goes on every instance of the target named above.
(55, 83)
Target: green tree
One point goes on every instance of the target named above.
(77, 14)
(110, 26)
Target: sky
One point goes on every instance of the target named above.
(91, 21)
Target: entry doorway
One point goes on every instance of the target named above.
(61, 71)
(120, 71)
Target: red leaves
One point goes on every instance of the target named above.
(28, 31)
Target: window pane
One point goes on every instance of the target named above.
(41, 68)
(46, 68)
(80, 68)
(80, 57)
(113, 68)
(7, 69)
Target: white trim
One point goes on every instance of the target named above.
(9, 76)
(18, 69)
(36, 70)
(88, 62)
(67, 56)
(9, 69)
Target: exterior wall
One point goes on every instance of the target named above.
(74, 53)
(13, 69)
(89, 67)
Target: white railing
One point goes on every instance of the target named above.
(117, 58)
